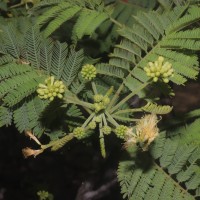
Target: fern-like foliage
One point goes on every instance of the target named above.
(151, 35)
(25, 62)
(157, 109)
(168, 4)
(192, 137)
(5, 116)
(169, 171)
(88, 14)
(27, 116)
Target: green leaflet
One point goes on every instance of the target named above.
(27, 116)
(60, 19)
(13, 69)
(22, 91)
(153, 34)
(89, 15)
(72, 66)
(5, 116)
(109, 70)
(157, 109)
(167, 4)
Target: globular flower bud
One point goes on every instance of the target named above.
(97, 107)
(92, 125)
(79, 133)
(88, 72)
(106, 130)
(51, 89)
(43, 195)
(120, 131)
(98, 98)
(106, 100)
(100, 102)
(165, 80)
(97, 119)
(159, 70)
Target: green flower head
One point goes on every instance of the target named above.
(106, 130)
(159, 70)
(100, 102)
(51, 89)
(120, 131)
(88, 72)
(79, 133)
(98, 98)
(92, 125)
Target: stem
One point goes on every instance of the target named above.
(104, 119)
(111, 120)
(116, 22)
(101, 139)
(128, 111)
(88, 110)
(94, 87)
(115, 96)
(110, 91)
(17, 5)
(124, 118)
(128, 97)
(65, 139)
(75, 100)
(88, 120)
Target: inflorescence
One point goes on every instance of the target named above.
(88, 72)
(100, 102)
(145, 132)
(159, 70)
(51, 89)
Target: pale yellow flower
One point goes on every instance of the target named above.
(31, 152)
(146, 131)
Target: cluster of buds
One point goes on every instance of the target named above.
(79, 133)
(92, 125)
(145, 132)
(121, 131)
(106, 130)
(97, 119)
(159, 70)
(100, 102)
(88, 72)
(43, 195)
(51, 89)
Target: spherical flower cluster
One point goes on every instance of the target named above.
(88, 72)
(43, 195)
(159, 70)
(100, 102)
(106, 130)
(145, 132)
(98, 98)
(79, 133)
(97, 119)
(92, 125)
(120, 131)
(51, 89)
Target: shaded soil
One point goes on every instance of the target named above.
(187, 98)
